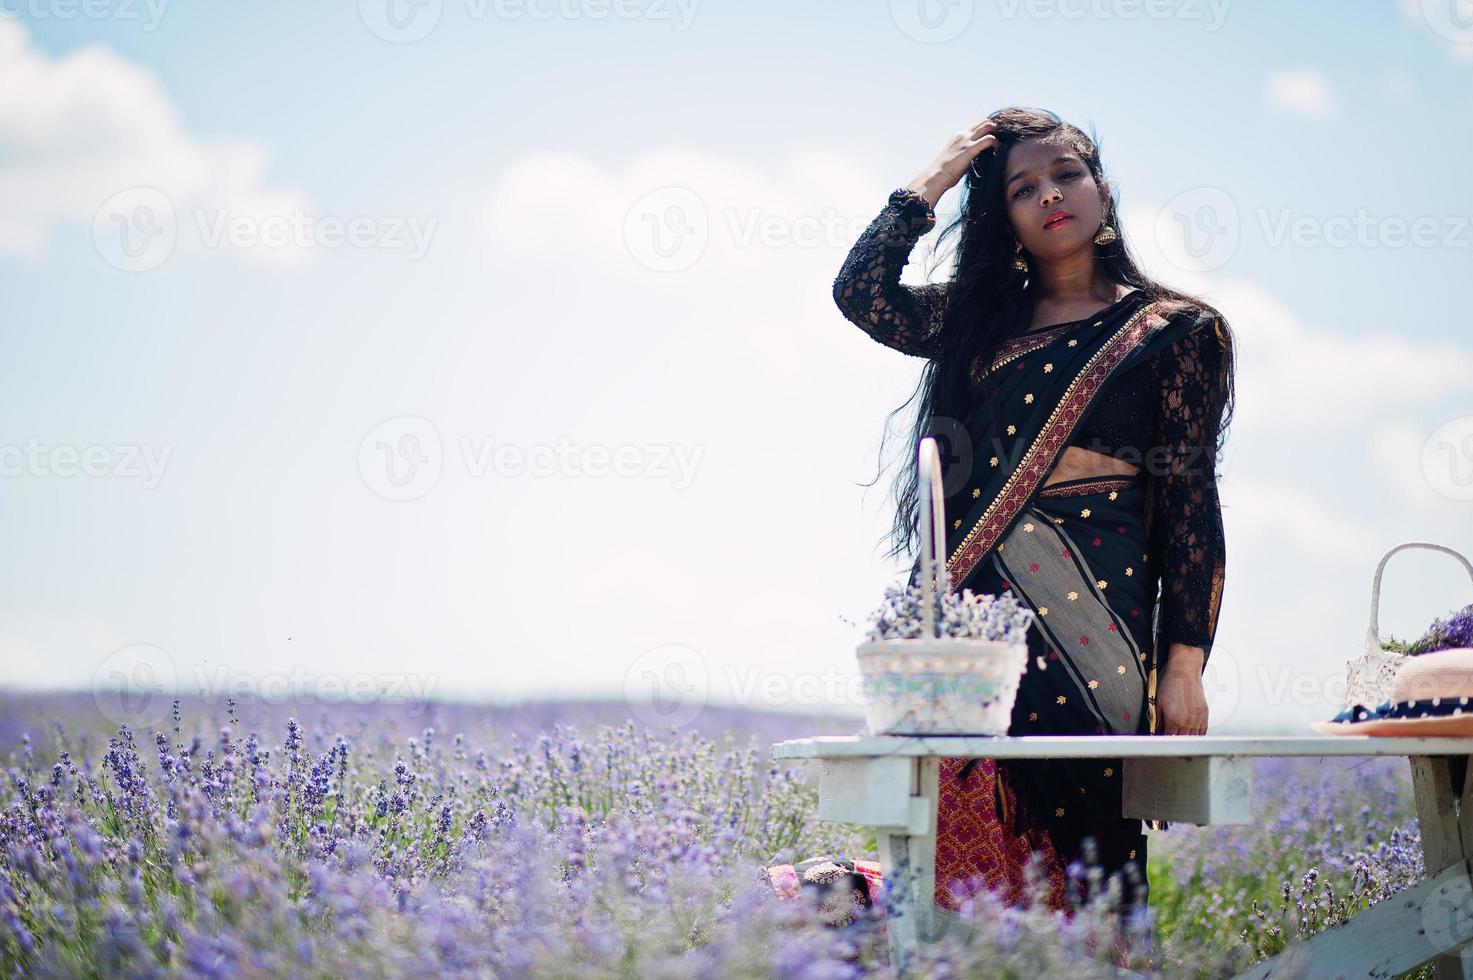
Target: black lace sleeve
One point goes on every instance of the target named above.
(868, 289)
(1194, 552)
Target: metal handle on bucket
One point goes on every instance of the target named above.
(933, 532)
(1373, 638)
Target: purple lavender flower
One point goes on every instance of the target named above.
(964, 615)
(1454, 631)
(525, 844)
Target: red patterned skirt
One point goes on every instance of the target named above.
(1077, 558)
(975, 848)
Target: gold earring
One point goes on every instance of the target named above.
(1019, 263)
(1105, 235)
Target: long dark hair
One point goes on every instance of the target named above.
(988, 302)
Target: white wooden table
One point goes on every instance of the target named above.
(889, 783)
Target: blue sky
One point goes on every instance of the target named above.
(534, 157)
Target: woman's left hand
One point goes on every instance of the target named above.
(1180, 696)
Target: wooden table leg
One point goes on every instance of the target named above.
(1444, 798)
(1429, 922)
(909, 864)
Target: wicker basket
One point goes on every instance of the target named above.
(1371, 675)
(935, 685)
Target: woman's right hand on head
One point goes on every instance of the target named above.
(952, 162)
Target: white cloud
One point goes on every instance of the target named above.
(1286, 513)
(1327, 426)
(79, 129)
(675, 210)
(1395, 449)
(769, 242)
(1304, 91)
(1299, 377)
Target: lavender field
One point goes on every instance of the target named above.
(306, 840)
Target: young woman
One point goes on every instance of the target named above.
(1080, 408)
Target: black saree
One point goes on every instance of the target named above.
(1081, 554)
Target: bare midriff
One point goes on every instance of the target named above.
(1078, 463)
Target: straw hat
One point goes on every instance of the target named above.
(1432, 695)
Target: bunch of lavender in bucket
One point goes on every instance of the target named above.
(963, 616)
(960, 677)
(1453, 632)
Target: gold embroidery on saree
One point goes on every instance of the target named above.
(1010, 500)
(1116, 483)
(1017, 347)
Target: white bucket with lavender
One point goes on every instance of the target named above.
(1371, 676)
(936, 662)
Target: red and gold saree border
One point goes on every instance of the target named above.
(1017, 347)
(1051, 439)
(1097, 484)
